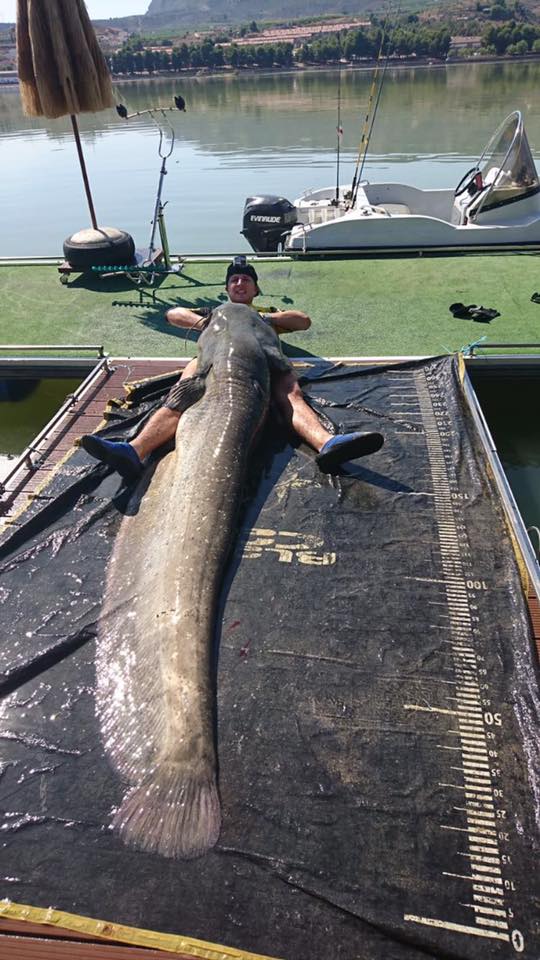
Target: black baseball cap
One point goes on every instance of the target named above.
(241, 269)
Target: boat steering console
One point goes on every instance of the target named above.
(470, 183)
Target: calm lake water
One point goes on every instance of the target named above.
(242, 136)
(26, 406)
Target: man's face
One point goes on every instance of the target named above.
(241, 288)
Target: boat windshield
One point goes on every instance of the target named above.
(507, 166)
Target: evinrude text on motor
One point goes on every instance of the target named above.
(267, 220)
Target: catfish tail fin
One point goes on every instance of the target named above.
(175, 813)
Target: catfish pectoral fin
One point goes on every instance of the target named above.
(186, 392)
(175, 813)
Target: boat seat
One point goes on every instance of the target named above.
(395, 209)
(322, 214)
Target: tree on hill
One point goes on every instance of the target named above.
(499, 11)
(518, 36)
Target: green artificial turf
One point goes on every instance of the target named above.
(362, 307)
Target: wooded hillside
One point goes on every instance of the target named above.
(171, 13)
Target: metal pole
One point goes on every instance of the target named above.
(162, 175)
(83, 171)
(163, 237)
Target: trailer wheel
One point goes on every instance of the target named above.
(106, 246)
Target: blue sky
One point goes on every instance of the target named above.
(98, 9)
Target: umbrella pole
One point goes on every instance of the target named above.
(83, 171)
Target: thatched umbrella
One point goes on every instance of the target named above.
(62, 70)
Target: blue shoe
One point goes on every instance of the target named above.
(116, 454)
(347, 446)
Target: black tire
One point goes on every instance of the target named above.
(103, 247)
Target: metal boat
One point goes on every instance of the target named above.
(496, 204)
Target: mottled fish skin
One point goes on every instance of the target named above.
(155, 695)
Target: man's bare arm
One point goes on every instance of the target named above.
(185, 318)
(283, 321)
(287, 321)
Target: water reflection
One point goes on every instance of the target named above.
(243, 135)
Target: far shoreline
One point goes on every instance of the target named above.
(365, 66)
(10, 79)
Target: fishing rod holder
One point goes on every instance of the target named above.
(159, 116)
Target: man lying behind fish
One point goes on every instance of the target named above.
(242, 285)
(155, 689)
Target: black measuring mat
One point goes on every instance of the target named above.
(377, 701)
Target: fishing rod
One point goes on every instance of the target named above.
(339, 130)
(364, 157)
(368, 121)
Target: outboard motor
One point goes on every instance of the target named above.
(266, 222)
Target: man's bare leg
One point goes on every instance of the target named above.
(160, 428)
(126, 457)
(162, 425)
(297, 413)
(332, 450)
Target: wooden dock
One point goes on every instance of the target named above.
(83, 414)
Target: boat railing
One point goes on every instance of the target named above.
(536, 531)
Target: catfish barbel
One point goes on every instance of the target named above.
(155, 691)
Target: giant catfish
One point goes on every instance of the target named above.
(155, 693)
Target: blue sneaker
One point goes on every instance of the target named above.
(347, 446)
(116, 454)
